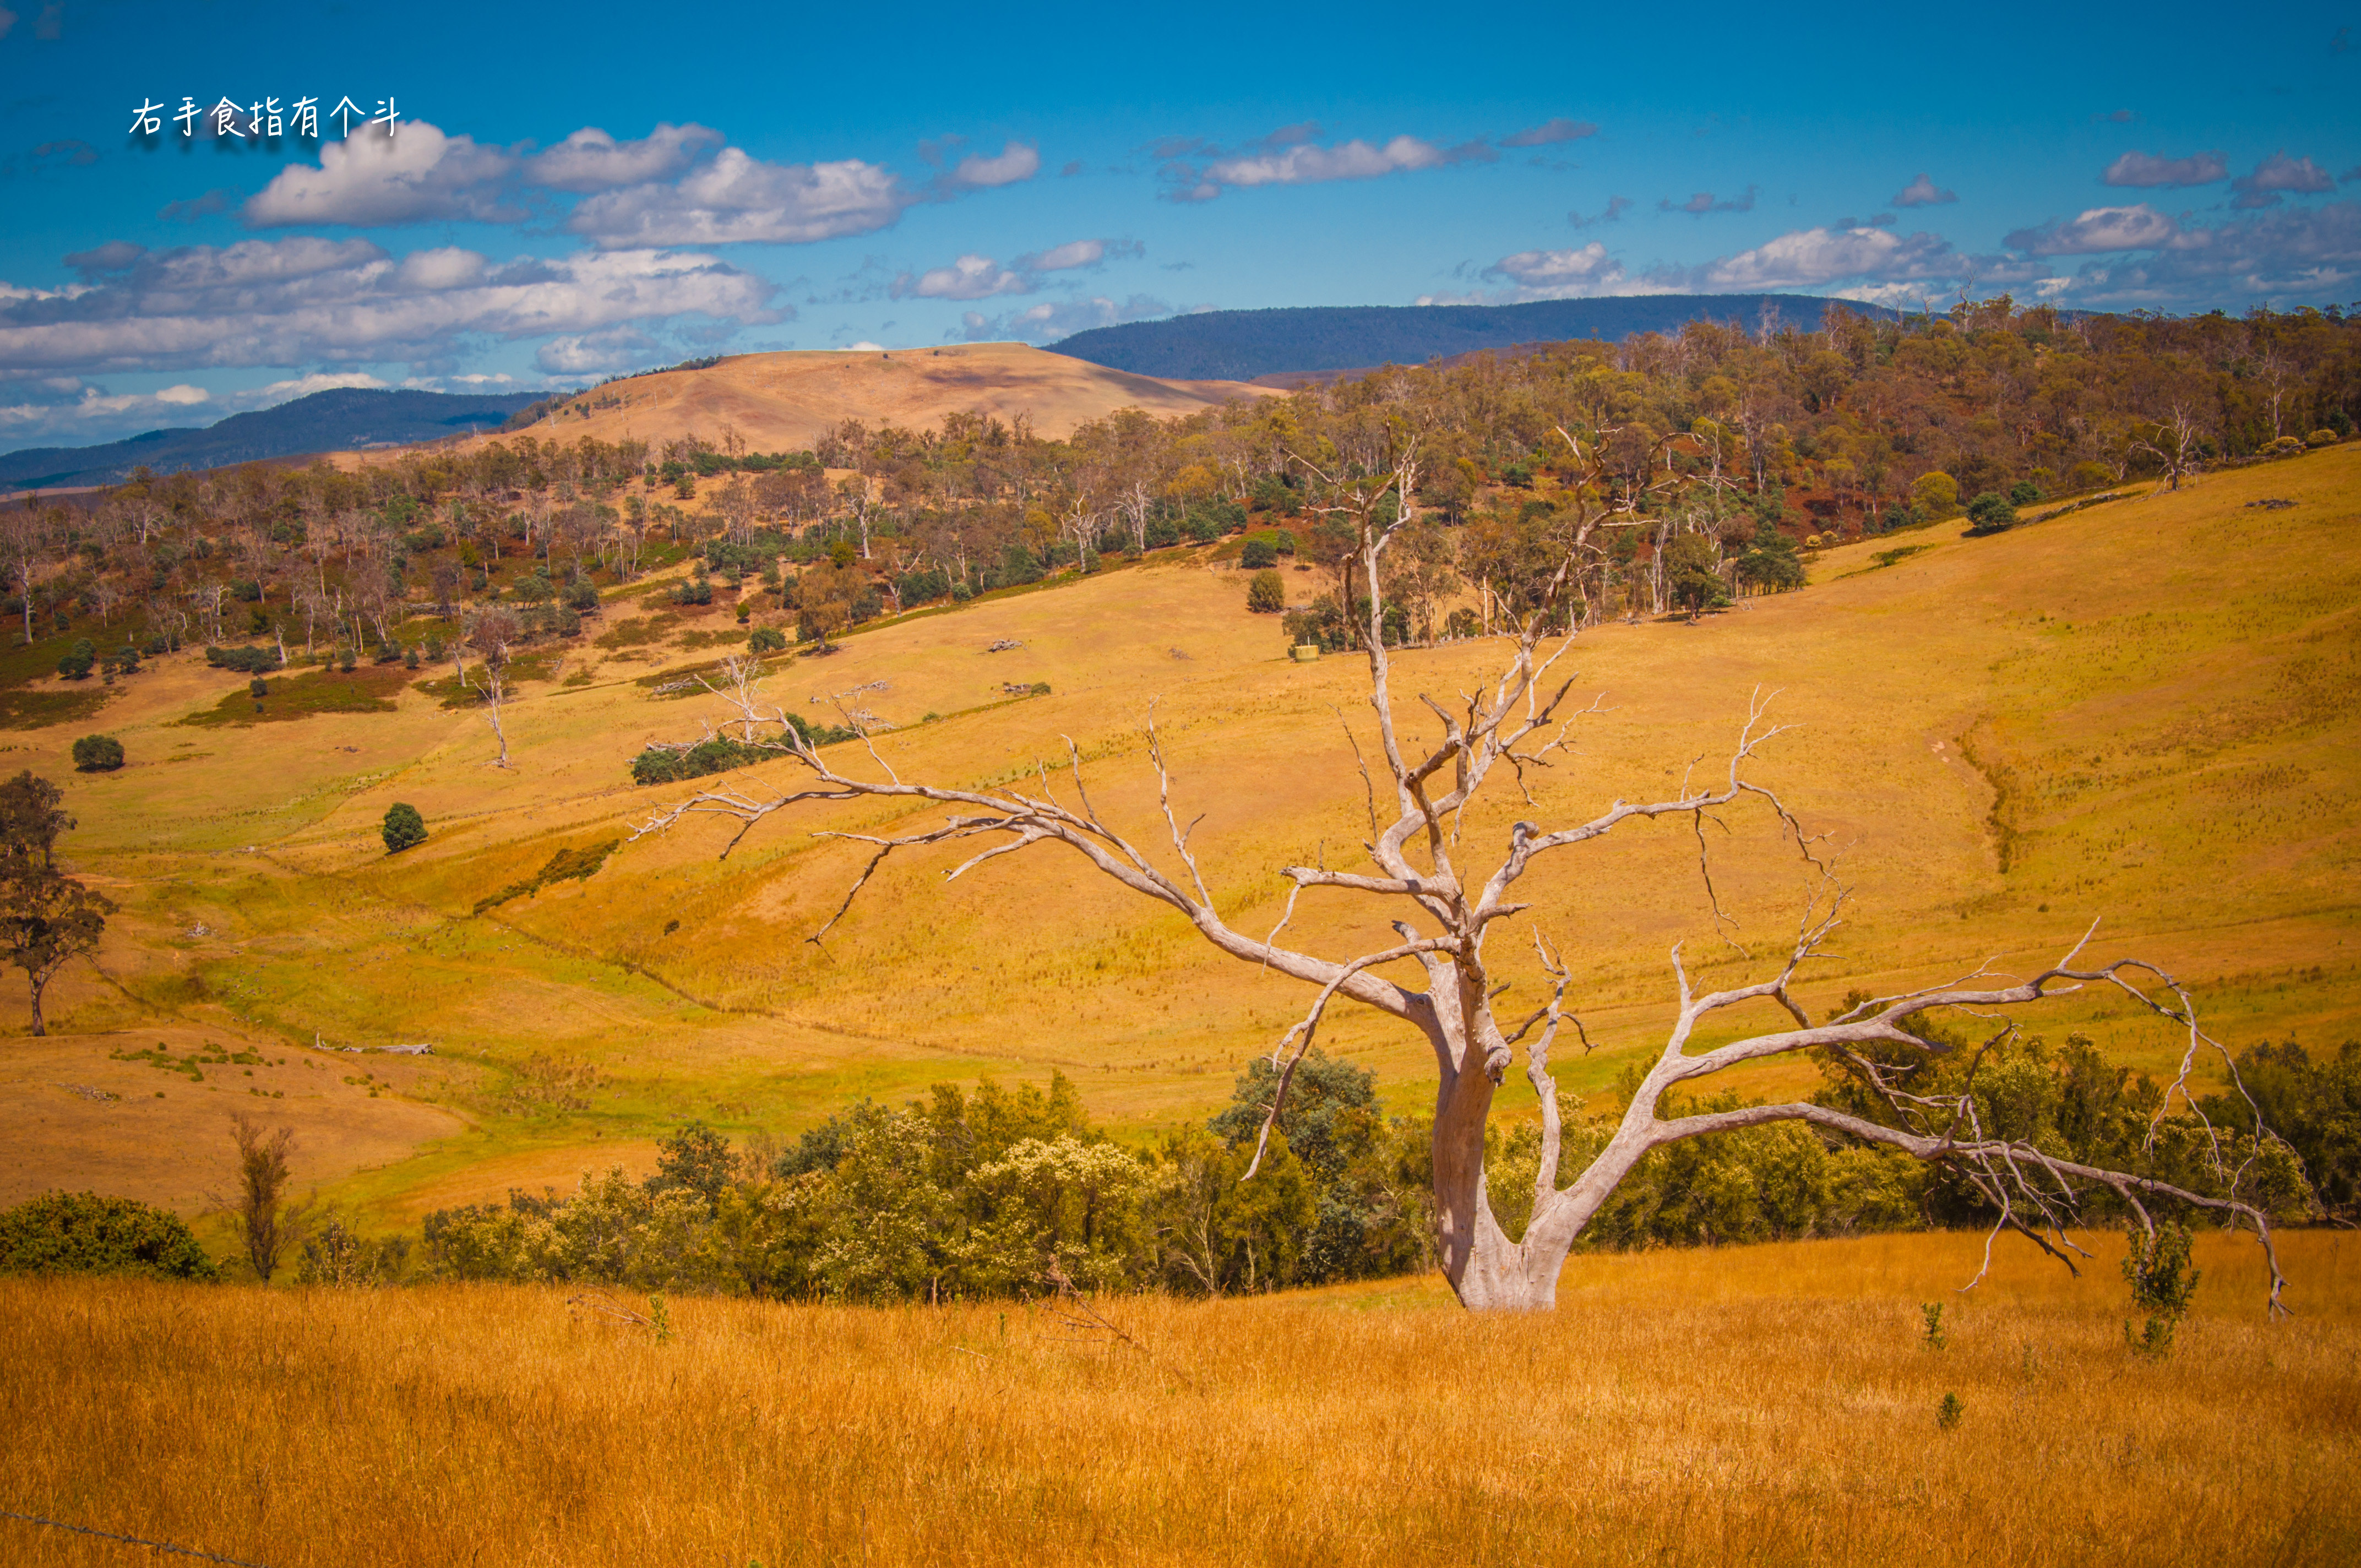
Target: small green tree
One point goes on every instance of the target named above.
(2157, 1268)
(403, 829)
(694, 1159)
(766, 639)
(46, 919)
(1690, 575)
(97, 755)
(1266, 594)
(1990, 513)
(1257, 553)
(80, 660)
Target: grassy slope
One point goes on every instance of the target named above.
(785, 401)
(1371, 1424)
(2135, 707)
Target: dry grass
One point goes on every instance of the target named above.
(2135, 711)
(1762, 1404)
(787, 401)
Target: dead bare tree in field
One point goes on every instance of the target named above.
(1443, 910)
(491, 634)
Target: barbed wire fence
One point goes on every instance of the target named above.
(131, 1540)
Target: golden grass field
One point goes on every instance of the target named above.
(786, 401)
(2138, 713)
(1766, 1405)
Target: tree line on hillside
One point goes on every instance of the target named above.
(1718, 453)
(998, 1192)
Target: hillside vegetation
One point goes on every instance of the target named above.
(2010, 736)
(2125, 702)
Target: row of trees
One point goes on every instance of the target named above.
(996, 1193)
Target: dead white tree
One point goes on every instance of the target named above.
(1446, 909)
(491, 634)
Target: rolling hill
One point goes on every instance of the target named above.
(323, 422)
(1239, 346)
(2010, 737)
(782, 403)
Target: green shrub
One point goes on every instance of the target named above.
(403, 829)
(80, 660)
(2157, 1268)
(1266, 595)
(1990, 513)
(766, 639)
(97, 755)
(1259, 554)
(2023, 493)
(80, 1232)
(245, 661)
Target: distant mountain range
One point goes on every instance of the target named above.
(325, 422)
(1238, 345)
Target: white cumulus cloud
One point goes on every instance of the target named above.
(591, 161)
(368, 180)
(307, 300)
(738, 198)
(2097, 230)
(975, 172)
(969, 278)
(1289, 157)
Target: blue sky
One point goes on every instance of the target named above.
(570, 192)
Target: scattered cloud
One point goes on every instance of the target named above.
(591, 161)
(1016, 162)
(114, 255)
(80, 154)
(1922, 193)
(2295, 253)
(418, 175)
(980, 277)
(1072, 168)
(1291, 156)
(2149, 170)
(581, 353)
(2277, 174)
(1616, 207)
(2097, 231)
(1816, 257)
(305, 386)
(1049, 322)
(2116, 117)
(969, 278)
(1704, 201)
(1561, 274)
(217, 200)
(311, 301)
(78, 414)
(1081, 253)
(738, 198)
(1549, 133)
